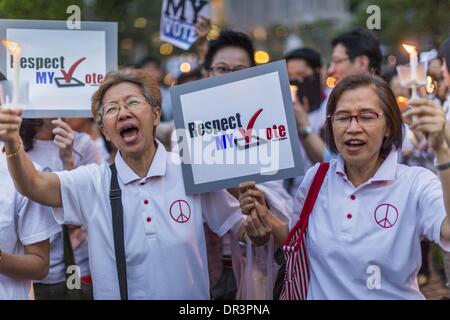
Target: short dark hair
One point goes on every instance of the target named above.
(310, 56)
(362, 42)
(229, 38)
(388, 103)
(444, 52)
(28, 131)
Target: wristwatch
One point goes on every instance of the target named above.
(306, 131)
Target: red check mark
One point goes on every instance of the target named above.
(247, 134)
(68, 75)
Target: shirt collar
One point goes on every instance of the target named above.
(157, 167)
(386, 172)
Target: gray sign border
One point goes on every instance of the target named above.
(111, 36)
(177, 91)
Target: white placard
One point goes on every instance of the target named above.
(61, 68)
(235, 128)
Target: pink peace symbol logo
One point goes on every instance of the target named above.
(386, 215)
(180, 211)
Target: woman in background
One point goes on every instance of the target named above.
(55, 147)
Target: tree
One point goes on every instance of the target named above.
(122, 11)
(36, 9)
(426, 23)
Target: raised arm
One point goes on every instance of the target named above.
(429, 118)
(312, 143)
(202, 28)
(40, 187)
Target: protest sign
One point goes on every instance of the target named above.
(237, 127)
(178, 19)
(61, 68)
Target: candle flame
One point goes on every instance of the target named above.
(12, 46)
(402, 102)
(430, 85)
(409, 49)
(331, 82)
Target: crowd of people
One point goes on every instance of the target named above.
(98, 193)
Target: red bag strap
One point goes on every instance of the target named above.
(309, 202)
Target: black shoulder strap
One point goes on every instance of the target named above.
(69, 258)
(115, 197)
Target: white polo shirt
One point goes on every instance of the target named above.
(22, 223)
(364, 243)
(164, 236)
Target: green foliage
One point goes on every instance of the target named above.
(122, 11)
(36, 9)
(427, 23)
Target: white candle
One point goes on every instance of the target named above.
(14, 49)
(413, 62)
(16, 83)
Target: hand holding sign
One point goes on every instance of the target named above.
(202, 29)
(258, 226)
(260, 222)
(248, 195)
(253, 204)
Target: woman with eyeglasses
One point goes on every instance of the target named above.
(54, 146)
(359, 231)
(146, 236)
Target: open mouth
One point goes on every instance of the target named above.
(354, 145)
(129, 133)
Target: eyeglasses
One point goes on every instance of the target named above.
(222, 69)
(339, 60)
(366, 118)
(111, 109)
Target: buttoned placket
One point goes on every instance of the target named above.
(351, 207)
(350, 212)
(148, 213)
